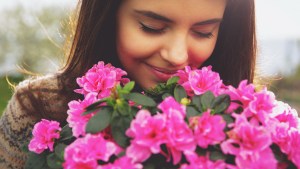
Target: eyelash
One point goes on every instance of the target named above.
(204, 35)
(148, 29)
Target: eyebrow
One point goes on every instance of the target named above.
(156, 16)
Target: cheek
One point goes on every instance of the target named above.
(201, 51)
(133, 44)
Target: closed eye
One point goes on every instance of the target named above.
(203, 35)
(152, 30)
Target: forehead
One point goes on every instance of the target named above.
(179, 9)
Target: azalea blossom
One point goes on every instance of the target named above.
(250, 144)
(201, 162)
(184, 79)
(294, 144)
(101, 79)
(249, 134)
(243, 94)
(147, 133)
(257, 160)
(285, 114)
(77, 121)
(180, 138)
(208, 129)
(261, 106)
(199, 81)
(171, 107)
(122, 163)
(86, 151)
(44, 134)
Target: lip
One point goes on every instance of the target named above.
(160, 73)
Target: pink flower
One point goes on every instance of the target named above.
(294, 144)
(171, 107)
(261, 106)
(199, 81)
(184, 80)
(280, 136)
(285, 114)
(76, 120)
(288, 140)
(205, 79)
(253, 138)
(101, 79)
(208, 129)
(258, 160)
(250, 144)
(122, 163)
(201, 162)
(180, 138)
(44, 134)
(147, 135)
(250, 138)
(244, 94)
(87, 151)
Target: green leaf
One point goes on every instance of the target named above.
(36, 161)
(24, 147)
(141, 99)
(157, 90)
(99, 121)
(206, 100)
(110, 102)
(119, 126)
(164, 96)
(90, 111)
(221, 103)
(129, 86)
(54, 162)
(95, 104)
(118, 87)
(216, 155)
(196, 100)
(134, 111)
(228, 119)
(149, 166)
(59, 151)
(123, 108)
(191, 112)
(200, 151)
(66, 133)
(173, 80)
(279, 155)
(121, 154)
(179, 93)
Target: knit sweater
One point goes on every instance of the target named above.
(22, 113)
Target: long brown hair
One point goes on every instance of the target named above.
(234, 55)
(95, 36)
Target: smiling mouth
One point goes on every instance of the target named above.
(161, 74)
(169, 72)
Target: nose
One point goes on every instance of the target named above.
(175, 50)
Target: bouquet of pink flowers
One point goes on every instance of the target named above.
(192, 121)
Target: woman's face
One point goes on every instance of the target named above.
(155, 38)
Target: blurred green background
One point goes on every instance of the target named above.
(30, 39)
(33, 38)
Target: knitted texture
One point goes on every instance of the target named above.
(32, 100)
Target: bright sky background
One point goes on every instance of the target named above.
(278, 18)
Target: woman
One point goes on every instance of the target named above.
(150, 40)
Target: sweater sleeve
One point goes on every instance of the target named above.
(32, 100)
(15, 128)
